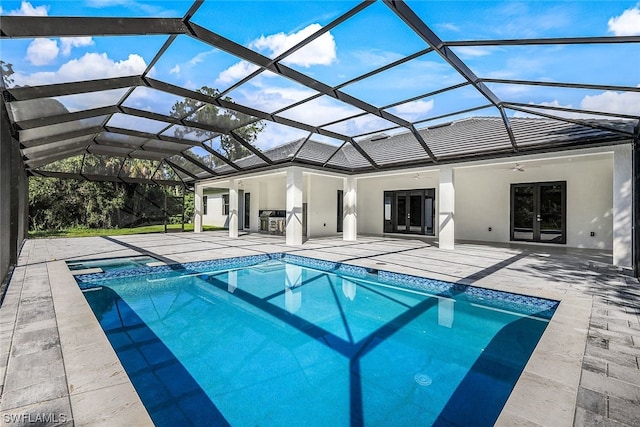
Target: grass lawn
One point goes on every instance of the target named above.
(91, 232)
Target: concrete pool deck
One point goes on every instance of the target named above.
(57, 367)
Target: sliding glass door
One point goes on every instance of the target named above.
(538, 212)
(409, 211)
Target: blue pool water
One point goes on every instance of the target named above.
(261, 341)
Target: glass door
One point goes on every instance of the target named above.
(409, 211)
(538, 212)
(522, 212)
(401, 212)
(414, 215)
(247, 210)
(551, 216)
(340, 211)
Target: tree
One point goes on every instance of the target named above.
(7, 71)
(222, 118)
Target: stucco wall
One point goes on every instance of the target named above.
(266, 193)
(214, 214)
(483, 200)
(371, 193)
(322, 205)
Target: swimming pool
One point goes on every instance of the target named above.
(113, 264)
(282, 339)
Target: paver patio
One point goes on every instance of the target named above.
(57, 368)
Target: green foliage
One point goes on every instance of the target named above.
(56, 203)
(7, 71)
(220, 118)
(59, 204)
(67, 204)
(92, 232)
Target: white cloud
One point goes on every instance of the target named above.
(449, 26)
(275, 134)
(376, 57)
(42, 51)
(321, 51)
(627, 24)
(471, 51)
(360, 125)
(320, 111)
(90, 66)
(26, 9)
(66, 43)
(608, 102)
(200, 57)
(175, 70)
(271, 98)
(527, 19)
(45, 51)
(414, 110)
(613, 102)
(236, 72)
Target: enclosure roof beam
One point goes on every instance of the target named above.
(64, 26)
(410, 18)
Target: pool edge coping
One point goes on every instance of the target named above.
(537, 396)
(99, 373)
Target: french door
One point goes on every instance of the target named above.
(538, 212)
(409, 211)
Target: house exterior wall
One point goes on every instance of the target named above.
(482, 197)
(214, 214)
(275, 193)
(266, 193)
(371, 193)
(483, 200)
(322, 205)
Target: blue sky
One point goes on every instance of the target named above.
(372, 38)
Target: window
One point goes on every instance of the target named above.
(204, 205)
(225, 204)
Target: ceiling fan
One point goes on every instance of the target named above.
(517, 167)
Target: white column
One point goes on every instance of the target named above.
(308, 194)
(292, 289)
(232, 284)
(445, 312)
(197, 208)
(294, 206)
(233, 209)
(350, 209)
(622, 206)
(446, 208)
(254, 221)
